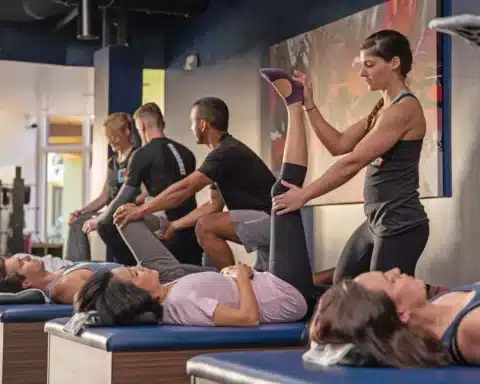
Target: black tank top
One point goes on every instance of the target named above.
(449, 337)
(392, 201)
(116, 174)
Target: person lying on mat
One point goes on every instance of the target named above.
(62, 283)
(239, 296)
(59, 285)
(386, 318)
(325, 277)
(12, 264)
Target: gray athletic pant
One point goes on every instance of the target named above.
(150, 252)
(77, 247)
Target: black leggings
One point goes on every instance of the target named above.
(366, 251)
(288, 248)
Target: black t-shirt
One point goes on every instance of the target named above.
(243, 179)
(116, 174)
(159, 164)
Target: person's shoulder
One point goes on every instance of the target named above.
(469, 336)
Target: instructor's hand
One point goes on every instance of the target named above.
(289, 201)
(126, 214)
(308, 101)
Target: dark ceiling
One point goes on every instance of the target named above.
(61, 16)
(35, 10)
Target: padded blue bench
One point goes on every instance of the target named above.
(24, 343)
(286, 367)
(151, 353)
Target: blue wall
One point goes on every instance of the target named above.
(36, 42)
(227, 28)
(231, 27)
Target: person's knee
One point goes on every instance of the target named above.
(278, 188)
(203, 228)
(77, 225)
(105, 229)
(291, 173)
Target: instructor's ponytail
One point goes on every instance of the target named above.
(373, 115)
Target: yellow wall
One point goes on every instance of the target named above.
(154, 87)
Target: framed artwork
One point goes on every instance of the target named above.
(329, 55)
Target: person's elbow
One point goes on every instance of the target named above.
(252, 320)
(230, 317)
(351, 165)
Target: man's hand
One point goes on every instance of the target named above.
(168, 233)
(126, 214)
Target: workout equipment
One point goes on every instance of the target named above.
(28, 296)
(169, 347)
(24, 347)
(286, 367)
(465, 26)
(14, 198)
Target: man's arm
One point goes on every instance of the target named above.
(177, 193)
(215, 204)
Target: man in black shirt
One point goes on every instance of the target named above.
(158, 164)
(238, 178)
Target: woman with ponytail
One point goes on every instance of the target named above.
(388, 142)
(119, 128)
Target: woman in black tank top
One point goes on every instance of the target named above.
(387, 142)
(119, 132)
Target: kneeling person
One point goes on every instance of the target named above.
(238, 178)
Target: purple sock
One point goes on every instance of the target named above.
(274, 74)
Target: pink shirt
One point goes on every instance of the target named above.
(194, 298)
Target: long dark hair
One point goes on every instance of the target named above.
(115, 301)
(388, 44)
(348, 313)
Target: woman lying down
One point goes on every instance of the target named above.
(238, 296)
(385, 318)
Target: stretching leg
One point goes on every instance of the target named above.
(151, 253)
(77, 244)
(111, 237)
(288, 248)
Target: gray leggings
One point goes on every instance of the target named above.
(150, 252)
(77, 247)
